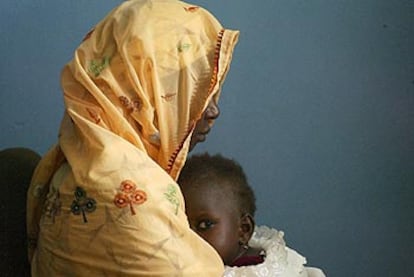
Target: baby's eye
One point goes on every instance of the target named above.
(204, 225)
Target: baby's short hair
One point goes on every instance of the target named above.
(219, 172)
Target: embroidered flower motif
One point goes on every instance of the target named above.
(191, 9)
(168, 96)
(128, 186)
(172, 196)
(183, 47)
(96, 67)
(124, 100)
(131, 106)
(138, 197)
(52, 207)
(38, 191)
(137, 104)
(95, 116)
(129, 195)
(82, 204)
(121, 200)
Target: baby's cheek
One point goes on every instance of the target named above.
(223, 247)
(209, 237)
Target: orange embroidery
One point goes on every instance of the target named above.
(191, 9)
(121, 200)
(129, 195)
(95, 116)
(124, 100)
(135, 104)
(168, 96)
(128, 186)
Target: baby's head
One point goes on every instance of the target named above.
(220, 204)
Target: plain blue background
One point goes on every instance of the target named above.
(318, 108)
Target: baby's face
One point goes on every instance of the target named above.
(212, 215)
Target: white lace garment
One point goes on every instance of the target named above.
(280, 260)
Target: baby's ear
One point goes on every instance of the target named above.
(246, 228)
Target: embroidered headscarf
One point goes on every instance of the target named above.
(104, 200)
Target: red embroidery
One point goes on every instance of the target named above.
(94, 115)
(135, 104)
(124, 101)
(121, 200)
(129, 195)
(213, 82)
(88, 35)
(168, 96)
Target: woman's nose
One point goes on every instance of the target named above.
(212, 111)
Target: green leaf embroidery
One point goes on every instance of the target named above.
(96, 67)
(183, 47)
(171, 196)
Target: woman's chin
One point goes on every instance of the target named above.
(197, 138)
(201, 137)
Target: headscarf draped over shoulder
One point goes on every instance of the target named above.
(104, 201)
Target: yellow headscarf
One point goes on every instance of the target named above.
(104, 201)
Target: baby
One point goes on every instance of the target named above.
(220, 207)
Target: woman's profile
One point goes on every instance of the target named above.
(140, 92)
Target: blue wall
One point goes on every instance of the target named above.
(318, 108)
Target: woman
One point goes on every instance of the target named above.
(141, 90)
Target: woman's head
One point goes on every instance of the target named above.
(149, 73)
(220, 204)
